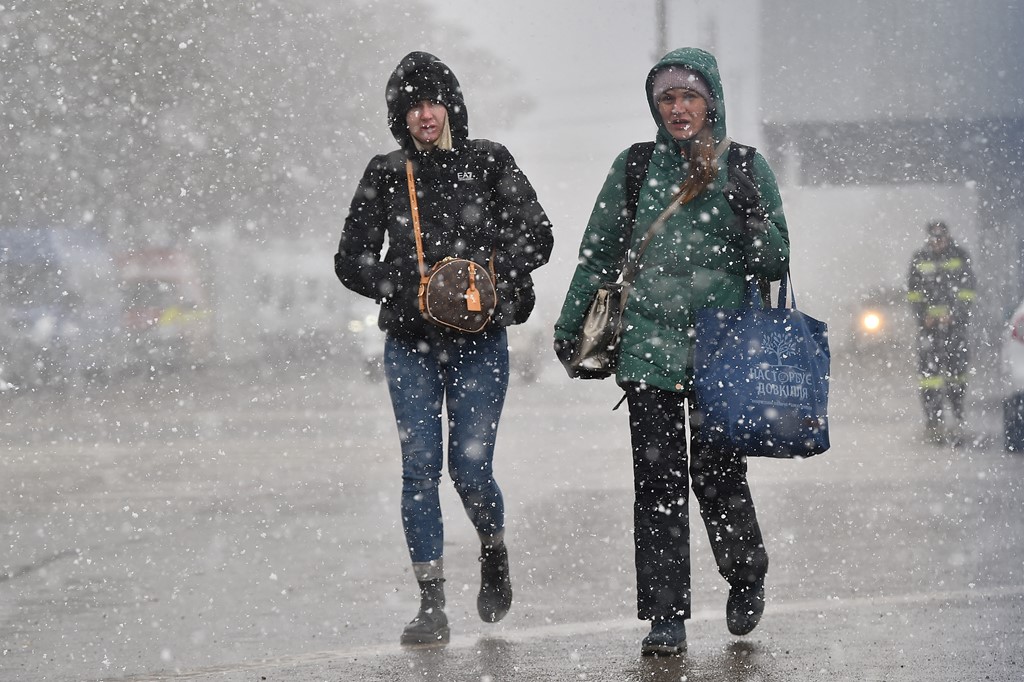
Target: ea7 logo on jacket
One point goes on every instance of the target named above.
(466, 176)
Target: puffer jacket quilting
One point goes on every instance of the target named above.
(699, 260)
(473, 201)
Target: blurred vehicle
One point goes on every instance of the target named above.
(58, 308)
(273, 302)
(165, 314)
(1012, 355)
(290, 304)
(882, 323)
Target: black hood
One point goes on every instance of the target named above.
(420, 76)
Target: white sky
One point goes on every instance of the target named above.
(583, 64)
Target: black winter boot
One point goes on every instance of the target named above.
(430, 626)
(744, 608)
(666, 638)
(495, 596)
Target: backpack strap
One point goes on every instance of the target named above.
(742, 156)
(637, 161)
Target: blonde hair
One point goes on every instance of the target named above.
(703, 165)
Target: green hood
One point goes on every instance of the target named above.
(705, 64)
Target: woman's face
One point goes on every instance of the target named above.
(683, 111)
(426, 121)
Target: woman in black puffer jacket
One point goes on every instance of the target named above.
(474, 202)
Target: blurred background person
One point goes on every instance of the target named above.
(941, 290)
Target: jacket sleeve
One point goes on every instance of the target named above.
(767, 254)
(602, 251)
(358, 260)
(525, 238)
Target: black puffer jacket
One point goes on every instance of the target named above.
(473, 200)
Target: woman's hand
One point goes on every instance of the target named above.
(565, 349)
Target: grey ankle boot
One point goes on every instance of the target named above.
(430, 626)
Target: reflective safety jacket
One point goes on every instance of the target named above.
(941, 285)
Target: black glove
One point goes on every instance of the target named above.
(745, 200)
(565, 349)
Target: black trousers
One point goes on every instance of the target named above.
(660, 511)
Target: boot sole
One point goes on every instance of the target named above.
(439, 638)
(662, 650)
(492, 617)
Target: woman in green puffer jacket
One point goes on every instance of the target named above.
(725, 230)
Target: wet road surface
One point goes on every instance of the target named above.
(244, 526)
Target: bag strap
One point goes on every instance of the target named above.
(414, 206)
(630, 269)
(638, 159)
(415, 220)
(787, 292)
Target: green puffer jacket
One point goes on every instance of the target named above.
(699, 260)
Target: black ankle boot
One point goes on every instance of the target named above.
(666, 638)
(495, 596)
(430, 626)
(744, 608)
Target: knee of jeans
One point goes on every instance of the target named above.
(420, 473)
(468, 484)
(417, 484)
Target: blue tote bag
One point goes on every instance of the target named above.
(761, 378)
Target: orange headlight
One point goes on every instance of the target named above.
(871, 321)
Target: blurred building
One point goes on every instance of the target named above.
(916, 92)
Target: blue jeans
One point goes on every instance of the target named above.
(469, 374)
